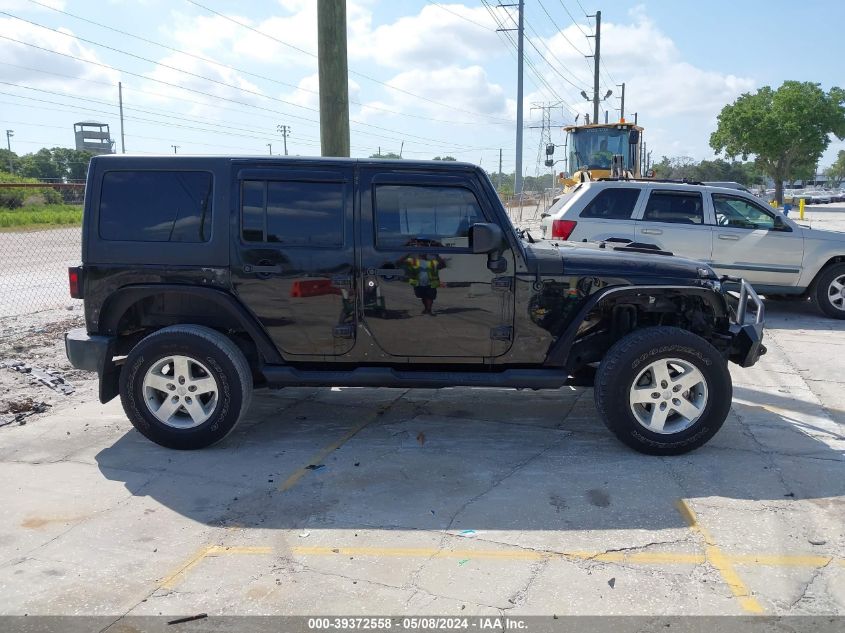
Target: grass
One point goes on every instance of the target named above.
(42, 216)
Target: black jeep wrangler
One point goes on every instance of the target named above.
(204, 277)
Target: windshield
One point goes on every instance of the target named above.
(594, 147)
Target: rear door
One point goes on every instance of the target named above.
(674, 220)
(424, 292)
(294, 256)
(608, 216)
(748, 245)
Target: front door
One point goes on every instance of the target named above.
(675, 221)
(424, 293)
(748, 244)
(293, 263)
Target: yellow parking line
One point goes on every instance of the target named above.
(173, 579)
(290, 482)
(515, 554)
(716, 557)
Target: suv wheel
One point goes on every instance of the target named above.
(830, 291)
(185, 386)
(663, 390)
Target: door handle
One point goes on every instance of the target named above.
(730, 238)
(652, 231)
(386, 272)
(262, 270)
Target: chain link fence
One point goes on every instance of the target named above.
(40, 236)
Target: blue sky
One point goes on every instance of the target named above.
(431, 78)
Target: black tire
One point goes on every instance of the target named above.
(629, 357)
(821, 293)
(224, 362)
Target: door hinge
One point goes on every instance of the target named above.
(501, 283)
(342, 281)
(502, 333)
(344, 331)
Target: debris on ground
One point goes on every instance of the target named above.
(51, 378)
(18, 410)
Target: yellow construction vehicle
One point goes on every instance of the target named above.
(601, 150)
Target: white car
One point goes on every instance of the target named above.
(731, 230)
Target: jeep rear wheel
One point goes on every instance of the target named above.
(185, 386)
(663, 390)
(830, 291)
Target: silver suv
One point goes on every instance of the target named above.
(731, 230)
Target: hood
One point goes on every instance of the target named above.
(593, 259)
(826, 235)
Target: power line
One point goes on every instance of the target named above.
(559, 30)
(451, 107)
(222, 65)
(463, 17)
(218, 97)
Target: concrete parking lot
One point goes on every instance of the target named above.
(459, 501)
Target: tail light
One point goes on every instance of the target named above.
(563, 228)
(74, 281)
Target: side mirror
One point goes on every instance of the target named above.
(634, 137)
(488, 238)
(485, 238)
(544, 215)
(780, 225)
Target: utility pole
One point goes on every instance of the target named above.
(120, 101)
(284, 130)
(517, 179)
(499, 179)
(175, 147)
(333, 71)
(622, 105)
(518, 176)
(597, 59)
(9, 135)
(270, 147)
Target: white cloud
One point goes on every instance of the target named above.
(23, 5)
(433, 37)
(19, 58)
(676, 101)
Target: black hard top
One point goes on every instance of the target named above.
(153, 161)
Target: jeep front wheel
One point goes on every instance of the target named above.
(185, 386)
(663, 390)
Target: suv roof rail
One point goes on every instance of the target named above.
(681, 181)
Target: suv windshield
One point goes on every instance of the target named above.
(594, 147)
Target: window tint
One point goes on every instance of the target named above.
(740, 213)
(425, 216)
(156, 206)
(293, 213)
(672, 206)
(612, 204)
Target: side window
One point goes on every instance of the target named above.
(612, 204)
(740, 213)
(293, 213)
(675, 207)
(420, 216)
(156, 206)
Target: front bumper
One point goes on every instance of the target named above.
(94, 353)
(746, 329)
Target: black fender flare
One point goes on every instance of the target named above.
(559, 351)
(121, 300)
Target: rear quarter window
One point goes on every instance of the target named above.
(612, 204)
(156, 206)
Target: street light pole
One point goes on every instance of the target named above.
(270, 146)
(175, 147)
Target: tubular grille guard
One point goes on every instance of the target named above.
(746, 292)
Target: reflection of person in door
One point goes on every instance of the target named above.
(423, 273)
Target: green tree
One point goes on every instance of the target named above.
(785, 129)
(387, 155)
(4, 160)
(72, 163)
(836, 172)
(445, 158)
